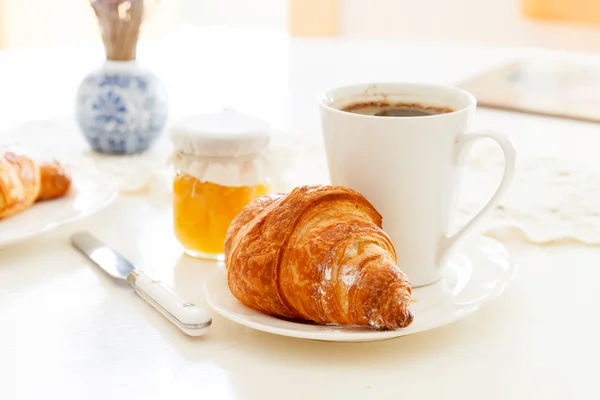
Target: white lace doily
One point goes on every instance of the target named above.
(550, 200)
(139, 173)
(62, 140)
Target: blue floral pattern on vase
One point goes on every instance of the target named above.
(121, 112)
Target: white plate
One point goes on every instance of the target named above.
(90, 193)
(479, 271)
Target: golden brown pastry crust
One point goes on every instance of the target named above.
(317, 253)
(55, 180)
(19, 182)
(23, 181)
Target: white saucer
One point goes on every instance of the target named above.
(478, 272)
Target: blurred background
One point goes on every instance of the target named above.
(564, 24)
(198, 46)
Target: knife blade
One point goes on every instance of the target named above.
(190, 318)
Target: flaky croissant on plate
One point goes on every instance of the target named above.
(318, 254)
(23, 181)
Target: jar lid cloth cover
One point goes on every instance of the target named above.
(227, 148)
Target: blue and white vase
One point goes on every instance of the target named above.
(121, 108)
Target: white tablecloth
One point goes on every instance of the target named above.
(68, 332)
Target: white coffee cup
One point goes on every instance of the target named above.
(408, 167)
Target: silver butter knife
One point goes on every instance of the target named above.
(188, 317)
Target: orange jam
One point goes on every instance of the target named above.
(203, 211)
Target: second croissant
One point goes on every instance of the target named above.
(319, 254)
(24, 181)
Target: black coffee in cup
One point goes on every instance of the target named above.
(395, 109)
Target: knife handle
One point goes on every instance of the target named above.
(188, 317)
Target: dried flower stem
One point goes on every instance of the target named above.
(120, 22)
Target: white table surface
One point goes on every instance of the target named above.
(68, 332)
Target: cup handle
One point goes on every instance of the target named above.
(510, 156)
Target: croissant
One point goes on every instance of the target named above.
(317, 254)
(23, 181)
(55, 180)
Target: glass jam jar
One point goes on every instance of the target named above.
(221, 165)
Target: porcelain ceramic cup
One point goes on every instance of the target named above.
(408, 167)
